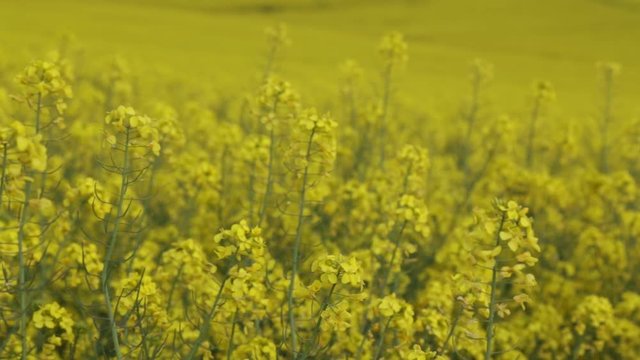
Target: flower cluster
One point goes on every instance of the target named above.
(336, 268)
(393, 48)
(239, 240)
(56, 324)
(23, 146)
(126, 128)
(46, 88)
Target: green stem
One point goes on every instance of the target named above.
(296, 245)
(398, 238)
(316, 329)
(145, 207)
(606, 120)
(382, 127)
(4, 171)
(471, 120)
(380, 343)
(106, 271)
(269, 185)
(456, 318)
(492, 303)
(270, 60)
(22, 269)
(535, 113)
(575, 349)
(206, 325)
(22, 297)
(251, 192)
(223, 184)
(233, 331)
(174, 283)
(38, 107)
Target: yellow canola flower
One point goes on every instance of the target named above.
(389, 305)
(126, 127)
(53, 316)
(337, 317)
(394, 49)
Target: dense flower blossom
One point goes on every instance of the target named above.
(256, 226)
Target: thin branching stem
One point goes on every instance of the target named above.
(22, 269)
(397, 239)
(382, 126)
(233, 331)
(270, 61)
(316, 329)
(606, 121)
(454, 325)
(106, 271)
(206, 324)
(535, 114)
(4, 171)
(471, 118)
(269, 184)
(380, 343)
(296, 245)
(24, 214)
(492, 302)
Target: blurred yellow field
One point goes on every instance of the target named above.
(320, 179)
(526, 40)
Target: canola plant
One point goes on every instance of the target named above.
(137, 225)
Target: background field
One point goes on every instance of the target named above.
(215, 41)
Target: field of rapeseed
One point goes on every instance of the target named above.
(147, 213)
